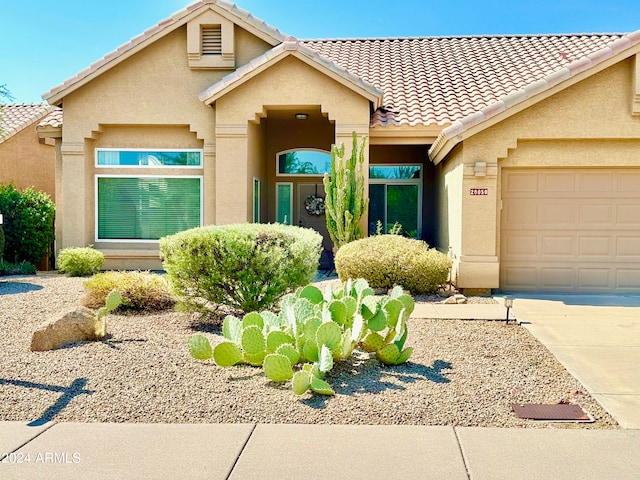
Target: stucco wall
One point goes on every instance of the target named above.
(27, 162)
(288, 86)
(449, 206)
(150, 100)
(587, 124)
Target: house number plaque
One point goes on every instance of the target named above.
(479, 192)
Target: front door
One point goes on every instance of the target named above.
(311, 214)
(310, 207)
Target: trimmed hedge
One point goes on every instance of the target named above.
(389, 260)
(244, 266)
(140, 291)
(28, 223)
(80, 261)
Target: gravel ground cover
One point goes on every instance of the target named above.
(462, 373)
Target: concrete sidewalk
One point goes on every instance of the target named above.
(245, 452)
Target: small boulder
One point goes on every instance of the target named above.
(449, 300)
(74, 324)
(460, 298)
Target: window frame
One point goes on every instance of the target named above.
(134, 240)
(256, 200)
(290, 184)
(172, 167)
(400, 181)
(299, 175)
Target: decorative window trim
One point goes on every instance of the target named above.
(186, 150)
(308, 175)
(140, 241)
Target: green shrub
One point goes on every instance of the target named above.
(140, 291)
(2, 242)
(245, 266)
(388, 260)
(28, 223)
(20, 268)
(80, 261)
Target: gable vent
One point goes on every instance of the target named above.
(212, 40)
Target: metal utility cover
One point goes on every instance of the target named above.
(557, 412)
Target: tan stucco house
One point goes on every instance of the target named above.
(518, 154)
(26, 158)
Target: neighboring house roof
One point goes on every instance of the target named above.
(236, 14)
(438, 80)
(291, 46)
(16, 117)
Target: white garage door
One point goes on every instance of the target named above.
(570, 230)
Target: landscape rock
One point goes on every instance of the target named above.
(460, 298)
(74, 324)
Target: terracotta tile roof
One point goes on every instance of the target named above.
(54, 119)
(439, 80)
(17, 116)
(290, 45)
(160, 29)
(452, 134)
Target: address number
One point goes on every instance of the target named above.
(479, 191)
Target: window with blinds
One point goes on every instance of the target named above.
(212, 40)
(146, 208)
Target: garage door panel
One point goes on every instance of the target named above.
(557, 182)
(628, 183)
(600, 182)
(628, 279)
(628, 247)
(595, 247)
(522, 278)
(596, 215)
(557, 213)
(628, 215)
(558, 245)
(522, 245)
(578, 232)
(557, 277)
(594, 278)
(521, 213)
(521, 182)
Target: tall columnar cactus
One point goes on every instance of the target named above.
(345, 201)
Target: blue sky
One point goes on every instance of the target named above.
(44, 42)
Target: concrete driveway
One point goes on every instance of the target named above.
(597, 339)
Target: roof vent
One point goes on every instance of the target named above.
(212, 40)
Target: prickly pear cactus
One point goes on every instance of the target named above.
(314, 329)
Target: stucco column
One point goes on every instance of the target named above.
(209, 185)
(73, 195)
(344, 135)
(478, 265)
(231, 174)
